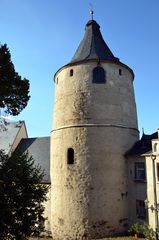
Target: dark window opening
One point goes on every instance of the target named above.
(140, 209)
(71, 72)
(99, 75)
(57, 80)
(155, 147)
(120, 72)
(140, 173)
(70, 156)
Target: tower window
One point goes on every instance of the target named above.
(57, 81)
(99, 75)
(70, 156)
(71, 72)
(120, 72)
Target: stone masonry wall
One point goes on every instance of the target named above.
(99, 121)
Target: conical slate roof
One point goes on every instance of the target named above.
(93, 46)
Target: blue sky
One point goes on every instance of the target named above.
(42, 36)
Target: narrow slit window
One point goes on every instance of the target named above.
(99, 75)
(70, 156)
(71, 72)
(120, 72)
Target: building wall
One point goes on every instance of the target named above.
(99, 121)
(77, 100)
(47, 212)
(137, 189)
(144, 190)
(150, 180)
(150, 191)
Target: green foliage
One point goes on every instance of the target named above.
(136, 228)
(14, 91)
(21, 196)
(143, 230)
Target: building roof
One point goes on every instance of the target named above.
(93, 46)
(8, 134)
(143, 146)
(39, 149)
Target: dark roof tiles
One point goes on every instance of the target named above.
(93, 46)
(39, 149)
(142, 146)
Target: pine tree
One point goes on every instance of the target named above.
(21, 196)
(14, 91)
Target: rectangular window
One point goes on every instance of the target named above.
(140, 209)
(70, 156)
(140, 174)
(120, 72)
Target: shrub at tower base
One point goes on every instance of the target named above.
(21, 197)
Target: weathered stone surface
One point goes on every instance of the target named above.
(99, 121)
(78, 101)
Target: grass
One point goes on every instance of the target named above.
(113, 238)
(122, 238)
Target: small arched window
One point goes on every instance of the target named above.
(70, 156)
(120, 72)
(71, 72)
(99, 75)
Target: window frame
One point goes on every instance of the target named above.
(140, 171)
(98, 75)
(141, 209)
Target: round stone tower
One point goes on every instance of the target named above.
(95, 123)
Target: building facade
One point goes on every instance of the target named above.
(143, 180)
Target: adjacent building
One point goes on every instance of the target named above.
(13, 135)
(143, 180)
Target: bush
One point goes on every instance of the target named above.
(143, 230)
(21, 196)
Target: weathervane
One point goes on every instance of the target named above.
(91, 11)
